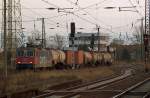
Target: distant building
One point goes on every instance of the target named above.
(118, 41)
(83, 40)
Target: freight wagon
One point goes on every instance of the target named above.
(36, 58)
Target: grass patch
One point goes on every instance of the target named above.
(44, 79)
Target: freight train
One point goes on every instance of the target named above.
(36, 58)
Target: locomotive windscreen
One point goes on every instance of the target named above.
(20, 52)
(25, 52)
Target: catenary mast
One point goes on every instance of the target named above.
(147, 32)
(12, 29)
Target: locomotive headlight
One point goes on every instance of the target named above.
(31, 62)
(18, 62)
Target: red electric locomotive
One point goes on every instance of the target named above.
(30, 58)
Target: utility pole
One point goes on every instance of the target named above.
(5, 37)
(43, 33)
(10, 34)
(13, 26)
(72, 36)
(98, 34)
(142, 32)
(10, 23)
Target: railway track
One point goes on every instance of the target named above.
(116, 87)
(103, 88)
(135, 86)
(73, 84)
(140, 90)
(74, 91)
(35, 91)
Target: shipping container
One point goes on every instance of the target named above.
(69, 57)
(74, 57)
(79, 57)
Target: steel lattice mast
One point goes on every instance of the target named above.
(147, 32)
(13, 29)
(147, 20)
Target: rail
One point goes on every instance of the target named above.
(132, 88)
(89, 86)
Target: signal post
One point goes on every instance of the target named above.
(146, 52)
(72, 35)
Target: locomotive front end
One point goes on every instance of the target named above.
(25, 59)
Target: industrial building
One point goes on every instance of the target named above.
(84, 40)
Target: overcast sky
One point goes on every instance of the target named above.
(94, 13)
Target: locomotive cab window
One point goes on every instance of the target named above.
(20, 53)
(30, 53)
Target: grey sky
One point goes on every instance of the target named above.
(109, 19)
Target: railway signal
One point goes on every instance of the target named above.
(92, 41)
(72, 35)
(72, 29)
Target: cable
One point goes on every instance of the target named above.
(95, 4)
(135, 8)
(126, 25)
(82, 17)
(34, 8)
(32, 11)
(77, 15)
(77, 2)
(50, 3)
(37, 14)
(88, 13)
(78, 9)
(138, 2)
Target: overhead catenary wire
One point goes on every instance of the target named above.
(40, 16)
(76, 15)
(81, 9)
(141, 7)
(46, 1)
(80, 16)
(89, 13)
(136, 9)
(126, 25)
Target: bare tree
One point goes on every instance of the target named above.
(30, 40)
(56, 41)
(138, 35)
(35, 38)
(59, 41)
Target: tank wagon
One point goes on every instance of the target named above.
(107, 58)
(98, 57)
(36, 58)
